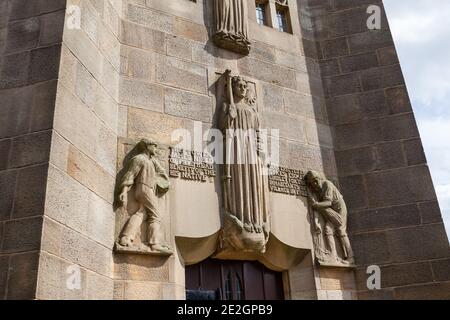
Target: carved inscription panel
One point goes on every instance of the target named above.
(287, 181)
(191, 165)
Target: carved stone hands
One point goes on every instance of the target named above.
(123, 197)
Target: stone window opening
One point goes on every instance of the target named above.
(282, 16)
(274, 14)
(261, 12)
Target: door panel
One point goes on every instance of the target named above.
(235, 280)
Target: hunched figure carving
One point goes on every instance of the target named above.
(326, 200)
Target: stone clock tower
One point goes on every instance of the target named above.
(236, 149)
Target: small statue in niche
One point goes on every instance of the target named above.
(245, 184)
(146, 181)
(329, 207)
(232, 25)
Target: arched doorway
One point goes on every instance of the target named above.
(233, 280)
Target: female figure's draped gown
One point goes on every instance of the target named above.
(246, 189)
(231, 17)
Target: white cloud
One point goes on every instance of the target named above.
(421, 32)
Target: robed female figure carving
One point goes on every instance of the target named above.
(232, 25)
(245, 184)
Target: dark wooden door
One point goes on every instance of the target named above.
(234, 280)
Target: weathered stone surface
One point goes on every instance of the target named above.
(22, 235)
(184, 104)
(405, 186)
(386, 218)
(370, 40)
(356, 161)
(318, 134)
(270, 73)
(141, 37)
(441, 270)
(341, 85)
(31, 149)
(430, 212)
(5, 147)
(4, 267)
(390, 155)
(434, 291)
(398, 100)
(329, 67)
(8, 185)
(77, 249)
(43, 105)
(51, 236)
(52, 25)
(90, 174)
(138, 64)
(358, 62)
(290, 128)
(178, 73)
(141, 268)
(44, 64)
(150, 18)
(179, 47)
(23, 271)
(373, 104)
(335, 48)
(371, 248)
(141, 95)
(273, 98)
(153, 125)
(336, 279)
(405, 274)
(190, 30)
(387, 56)
(429, 242)
(143, 290)
(380, 78)
(354, 191)
(301, 104)
(376, 130)
(23, 35)
(22, 9)
(414, 152)
(99, 287)
(14, 70)
(383, 294)
(30, 192)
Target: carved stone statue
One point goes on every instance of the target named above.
(245, 186)
(145, 180)
(330, 220)
(232, 25)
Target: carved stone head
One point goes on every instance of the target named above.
(240, 87)
(314, 180)
(148, 147)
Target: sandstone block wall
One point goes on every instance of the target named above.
(71, 97)
(30, 45)
(394, 217)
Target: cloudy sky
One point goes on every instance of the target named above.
(421, 30)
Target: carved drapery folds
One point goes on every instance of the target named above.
(139, 188)
(246, 223)
(231, 33)
(329, 222)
